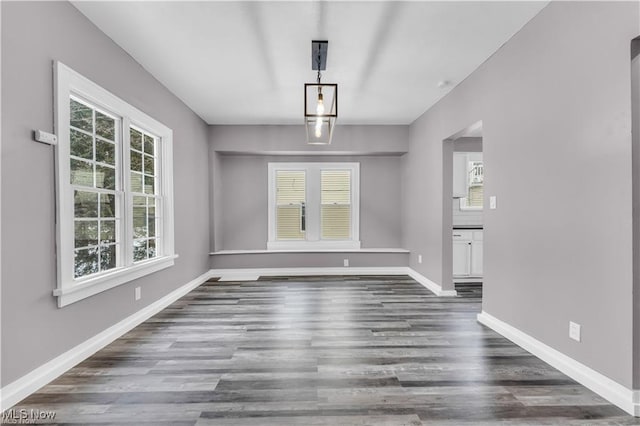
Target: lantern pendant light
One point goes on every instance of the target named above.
(320, 99)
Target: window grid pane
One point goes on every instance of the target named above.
(145, 197)
(93, 146)
(95, 232)
(93, 156)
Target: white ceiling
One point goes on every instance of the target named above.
(246, 62)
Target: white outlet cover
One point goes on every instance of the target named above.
(574, 331)
(346, 262)
(138, 293)
(493, 202)
(419, 258)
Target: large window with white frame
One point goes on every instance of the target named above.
(313, 206)
(114, 189)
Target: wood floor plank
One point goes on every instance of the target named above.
(319, 350)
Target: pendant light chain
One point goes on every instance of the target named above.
(319, 60)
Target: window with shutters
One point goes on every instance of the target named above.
(475, 198)
(114, 188)
(290, 205)
(313, 206)
(335, 204)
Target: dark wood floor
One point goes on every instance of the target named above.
(319, 351)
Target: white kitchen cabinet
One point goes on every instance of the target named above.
(461, 258)
(476, 258)
(460, 179)
(467, 253)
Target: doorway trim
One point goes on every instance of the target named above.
(472, 130)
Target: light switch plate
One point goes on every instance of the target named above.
(493, 202)
(419, 258)
(574, 331)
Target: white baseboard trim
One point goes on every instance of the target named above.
(614, 392)
(426, 282)
(240, 274)
(16, 391)
(237, 277)
(229, 274)
(467, 280)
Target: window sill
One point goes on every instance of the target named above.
(365, 250)
(315, 245)
(92, 286)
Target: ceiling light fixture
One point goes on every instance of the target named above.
(320, 99)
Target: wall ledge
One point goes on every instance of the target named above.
(614, 392)
(264, 251)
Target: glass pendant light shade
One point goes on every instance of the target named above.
(320, 112)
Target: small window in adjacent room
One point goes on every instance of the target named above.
(114, 188)
(313, 205)
(474, 199)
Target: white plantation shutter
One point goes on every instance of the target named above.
(290, 187)
(475, 197)
(335, 199)
(290, 196)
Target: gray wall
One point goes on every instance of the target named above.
(308, 260)
(215, 200)
(555, 98)
(34, 330)
(291, 140)
(243, 208)
(467, 144)
(239, 156)
(635, 131)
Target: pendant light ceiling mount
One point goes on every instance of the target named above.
(319, 55)
(320, 99)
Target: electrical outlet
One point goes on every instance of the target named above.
(346, 262)
(419, 258)
(574, 331)
(138, 293)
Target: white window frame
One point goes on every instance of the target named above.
(69, 83)
(312, 207)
